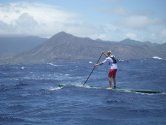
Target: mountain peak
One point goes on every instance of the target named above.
(128, 40)
(60, 37)
(62, 34)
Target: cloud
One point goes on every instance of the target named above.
(120, 11)
(163, 33)
(25, 23)
(136, 21)
(131, 36)
(33, 19)
(43, 20)
(46, 20)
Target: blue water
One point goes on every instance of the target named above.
(30, 95)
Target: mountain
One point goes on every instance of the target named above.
(13, 45)
(67, 46)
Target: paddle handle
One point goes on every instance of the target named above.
(93, 69)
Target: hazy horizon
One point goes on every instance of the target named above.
(112, 20)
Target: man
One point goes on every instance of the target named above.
(112, 62)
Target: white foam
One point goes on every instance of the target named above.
(55, 88)
(156, 57)
(22, 67)
(52, 64)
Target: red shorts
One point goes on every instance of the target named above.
(112, 73)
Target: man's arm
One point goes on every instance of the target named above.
(99, 64)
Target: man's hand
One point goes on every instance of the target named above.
(96, 65)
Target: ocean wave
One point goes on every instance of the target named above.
(55, 88)
(52, 64)
(54, 76)
(156, 57)
(6, 118)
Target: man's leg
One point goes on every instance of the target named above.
(114, 77)
(114, 82)
(110, 81)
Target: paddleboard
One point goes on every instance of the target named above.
(138, 90)
(116, 89)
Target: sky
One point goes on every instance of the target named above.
(112, 20)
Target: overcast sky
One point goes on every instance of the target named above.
(113, 20)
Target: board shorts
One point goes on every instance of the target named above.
(112, 73)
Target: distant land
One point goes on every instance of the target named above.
(13, 45)
(67, 46)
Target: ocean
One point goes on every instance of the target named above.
(53, 94)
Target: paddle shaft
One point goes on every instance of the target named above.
(93, 69)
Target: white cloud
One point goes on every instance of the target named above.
(25, 24)
(137, 21)
(131, 36)
(46, 20)
(163, 33)
(33, 19)
(120, 11)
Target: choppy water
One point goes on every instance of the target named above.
(30, 95)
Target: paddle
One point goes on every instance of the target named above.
(93, 68)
